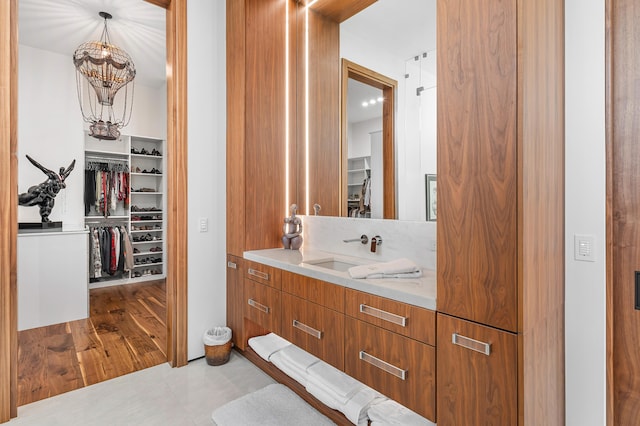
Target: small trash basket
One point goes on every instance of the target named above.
(217, 345)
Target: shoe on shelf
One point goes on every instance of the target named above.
(138, 170)
(156, 152)
(144, 152)
(134, 151)
(136, 250)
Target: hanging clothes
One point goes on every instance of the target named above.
(110, 249)
(106, 185)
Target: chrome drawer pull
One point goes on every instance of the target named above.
(258, 274)
(389, 368)
(309, 330)
(258, 306)
(232, 265)
(383, 315)
(474, 345)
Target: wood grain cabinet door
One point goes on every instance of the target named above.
(235, 296)
(477, 161)
(400, 368)
(477, 374)
(314, 328)
(262, 305)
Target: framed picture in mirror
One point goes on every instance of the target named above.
(431, 192)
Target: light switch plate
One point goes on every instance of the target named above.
(204, 224)
(584, 248)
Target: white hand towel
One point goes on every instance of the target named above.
(334, 381)
(355, 409)
(294, 362)
(389, 412)
(397, 268)
(267, 345)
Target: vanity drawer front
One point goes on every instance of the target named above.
(316, 291)
(408, 320)
(314, 328)
(262, 305)
(477, 374)
(401, 368)
(264, 274)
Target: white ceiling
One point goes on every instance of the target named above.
(356, 94)
(61, 26)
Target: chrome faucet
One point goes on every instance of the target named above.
(363, 239)
(375, 242)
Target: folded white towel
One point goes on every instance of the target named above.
(355, 409)
(389, 412)
(334, 381)
(294, 362)
(267, 345)
(399, 268)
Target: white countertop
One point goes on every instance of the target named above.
(415, 291)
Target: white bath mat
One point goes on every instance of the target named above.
(274, 405)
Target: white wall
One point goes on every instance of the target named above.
(585, 211)
(50, 128)
(207, 169)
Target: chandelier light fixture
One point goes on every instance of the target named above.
(102, 69)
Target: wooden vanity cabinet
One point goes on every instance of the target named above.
(500, 263)
(235, 300)
(477, 374)
(402, 318)
(261, 299)
(401, 368)
(314, 328)
(312, 316)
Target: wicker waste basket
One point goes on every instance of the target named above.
(217, 345)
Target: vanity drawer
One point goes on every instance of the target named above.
(402, 318)
(403, 369)
(314, 328)
(262, 305)
(313, 290)
(264, 274)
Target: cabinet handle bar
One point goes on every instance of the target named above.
(258, 274)
(383, 365)
(383, 315)
(232, 265)
(309, 330)
(469, 343)
(258, 306)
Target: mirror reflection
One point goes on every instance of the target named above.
(397, 39)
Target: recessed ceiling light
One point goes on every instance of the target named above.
(380, 99)
(365, 104)
(372, 101)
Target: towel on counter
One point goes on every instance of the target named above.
(399, 268)
(391, 413)
(267, 345)
(355, 408)
(295, 362)
(336, 383)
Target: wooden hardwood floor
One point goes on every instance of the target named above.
(126, 332)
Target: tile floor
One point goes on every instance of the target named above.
(159, 395)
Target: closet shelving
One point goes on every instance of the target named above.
(358, 170)
(142, 212)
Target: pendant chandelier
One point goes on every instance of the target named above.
(102, 69)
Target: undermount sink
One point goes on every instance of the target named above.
(334, 264)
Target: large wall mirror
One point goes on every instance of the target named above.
(341, 141)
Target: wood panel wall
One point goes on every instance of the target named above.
(265, 153)
(541, 210)
(257, 153)
(8, 208)
(324, 114)
(235, 126)
(623, 211)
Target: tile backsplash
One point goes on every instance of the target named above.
(413, 240)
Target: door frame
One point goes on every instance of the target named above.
(176, 40)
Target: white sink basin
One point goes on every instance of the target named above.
(334, 264)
